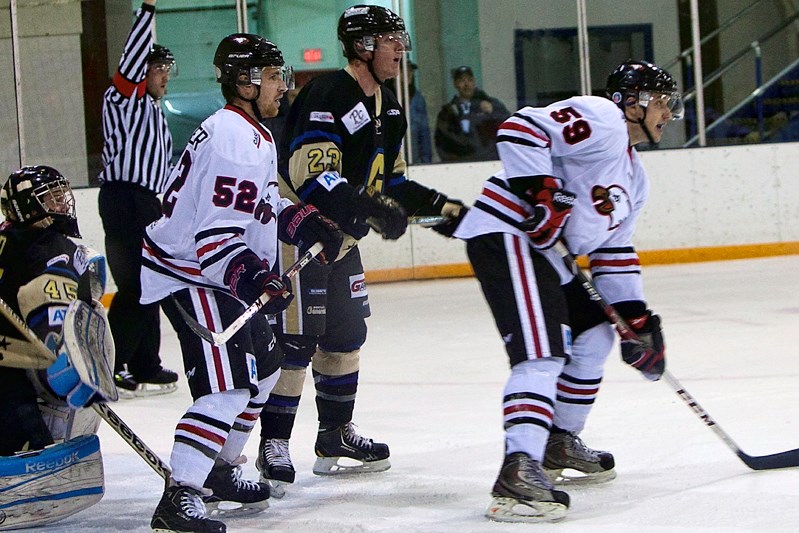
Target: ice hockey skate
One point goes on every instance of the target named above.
(274, 463)
(524, 493)
(163, 382)
(341, 450)
(180, 510)
(232, 495)
(568, 461)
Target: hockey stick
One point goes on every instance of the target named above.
(217, 339)
(105, 412)
(785, 459)
(133, 440)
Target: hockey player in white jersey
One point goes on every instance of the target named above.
(570, 161)
(212, 253)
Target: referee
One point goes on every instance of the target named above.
(136, 153)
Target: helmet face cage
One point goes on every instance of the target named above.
(32, 194)
(644, 82)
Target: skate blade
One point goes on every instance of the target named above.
(513, 510)
(277, 489)
(144, 390)
(336, 466)
(568, 477)
(227, 509)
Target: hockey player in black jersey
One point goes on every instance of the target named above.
(341, 151)
(42, 272)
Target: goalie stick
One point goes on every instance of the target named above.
(785, 459)
(102, 409)
(220, 338)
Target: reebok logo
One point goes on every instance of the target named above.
(41, 466)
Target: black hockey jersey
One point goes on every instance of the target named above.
(337, 138)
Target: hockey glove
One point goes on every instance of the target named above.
(552, 207)
(384, 214)
(454, 210)
(649, 353)
(248, 278)
(302, 225)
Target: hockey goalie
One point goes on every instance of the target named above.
(55, 354)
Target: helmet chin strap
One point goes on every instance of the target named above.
(253, 102)
(370, 66)
(641, 122)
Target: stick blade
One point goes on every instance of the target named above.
(774, 461)
(195, 326)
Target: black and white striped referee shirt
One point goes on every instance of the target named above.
(138, 145)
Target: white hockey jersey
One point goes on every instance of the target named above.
(221, 199)
(583, 141)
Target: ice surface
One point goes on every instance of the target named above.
(431, 381)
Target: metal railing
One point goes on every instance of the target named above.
(756, 94)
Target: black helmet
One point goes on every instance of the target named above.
(363, 23)
(640, 79)
(37, 192)
(160, 54)
(247, 53)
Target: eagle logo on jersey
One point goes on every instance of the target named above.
(612, 202)
(264, 213)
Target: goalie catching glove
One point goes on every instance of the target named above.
(302, 225)
(248, 278)
(648, 353)
(552, 207)
(384, 214)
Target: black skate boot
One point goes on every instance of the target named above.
(233, 495)
(274, 463)
(359, 453)
(181, 509)
(162, 382)
(567, 452)
(524, 493)
(126, 385)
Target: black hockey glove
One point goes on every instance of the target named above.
(384, 214)
(648, 355)
(303, 225)
(248, 278)
(552, 207)
(454, 211)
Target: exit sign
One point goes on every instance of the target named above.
(312, 55)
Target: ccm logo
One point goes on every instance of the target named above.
(357, 286)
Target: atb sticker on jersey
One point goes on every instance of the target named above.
(328, 180)
(55, 315)
(356, 118)
(321, 116)
(357, 286)
(252, 366)
(566, 333)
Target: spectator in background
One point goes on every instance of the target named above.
(136, 153)
(421, 143)
(466, 127)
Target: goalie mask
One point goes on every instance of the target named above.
(644, 82)
(41, 196)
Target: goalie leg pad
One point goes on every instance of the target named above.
(43, 487)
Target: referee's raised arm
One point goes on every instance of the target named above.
(137, 149)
